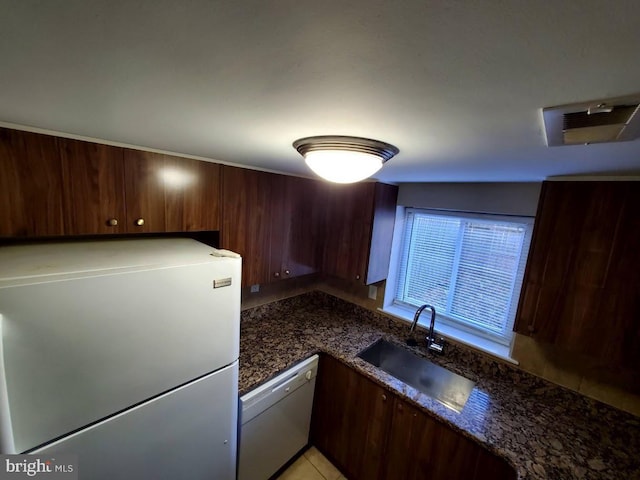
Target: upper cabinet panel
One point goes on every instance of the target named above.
(297, 210)
(58, 186)
(359, 226)
(94, 190)
(246, 220)
(192, 194)
(581, 289)
(273, 221)
(347, 227)
(144, 192)
(381, 236)
(31, 200)
(165, 193)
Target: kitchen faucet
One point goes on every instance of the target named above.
(434, 344)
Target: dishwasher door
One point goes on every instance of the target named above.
(275, 419)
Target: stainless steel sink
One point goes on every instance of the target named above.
(448, 388)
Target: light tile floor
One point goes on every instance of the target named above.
(312, 465)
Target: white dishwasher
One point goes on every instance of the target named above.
(274, 421)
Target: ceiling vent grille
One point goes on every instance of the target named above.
(600, 121)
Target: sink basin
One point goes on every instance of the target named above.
(448, 388)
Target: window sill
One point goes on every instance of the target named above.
(460, 336)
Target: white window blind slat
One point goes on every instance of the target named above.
(469, 266)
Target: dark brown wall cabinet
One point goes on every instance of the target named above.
(57, 186)
(273, 221)
(283, 226)
(581, 287)
(94, 191)
(170, 194)
(370, 434)
(286, 226)
(296, 226)
(359, 221)
(246, 220)
(31, 193)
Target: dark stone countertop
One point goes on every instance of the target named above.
(544, 431)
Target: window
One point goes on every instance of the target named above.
(468, 266)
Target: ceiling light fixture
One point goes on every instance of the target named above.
(344, 159)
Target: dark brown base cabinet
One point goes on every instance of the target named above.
(371, 434)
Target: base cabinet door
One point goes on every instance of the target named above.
(350, 420)
(371, 434)
(420, 448)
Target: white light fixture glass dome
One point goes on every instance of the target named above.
(342, 159)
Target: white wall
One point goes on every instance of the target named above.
(502, 198)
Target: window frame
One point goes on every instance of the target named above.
(468, 328)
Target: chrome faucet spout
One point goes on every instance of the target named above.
(416, 317)
(432, 343)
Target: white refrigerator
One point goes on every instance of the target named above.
(124, 352)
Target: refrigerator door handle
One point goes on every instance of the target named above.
(7, 445)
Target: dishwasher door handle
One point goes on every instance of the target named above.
(294, 381)
(286, 381)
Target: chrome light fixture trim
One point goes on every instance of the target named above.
(344, 159)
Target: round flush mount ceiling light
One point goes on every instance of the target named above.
(344, 159)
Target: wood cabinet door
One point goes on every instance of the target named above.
(144, 192)
(581, 288)
(559, 247)
(306, 213)
(246, 220)
(422, 448)
(93, 180)
(296, 222)
(279, 228)
(31, 200)
(620, 337)
(192, 194)
(384, 219)
(348, 225)
(350, 420)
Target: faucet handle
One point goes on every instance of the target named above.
(436, 344)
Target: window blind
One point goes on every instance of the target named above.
(468, 266)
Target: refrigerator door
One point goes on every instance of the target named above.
(190, 433)
(80, 349)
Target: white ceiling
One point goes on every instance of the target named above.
(457, 86)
